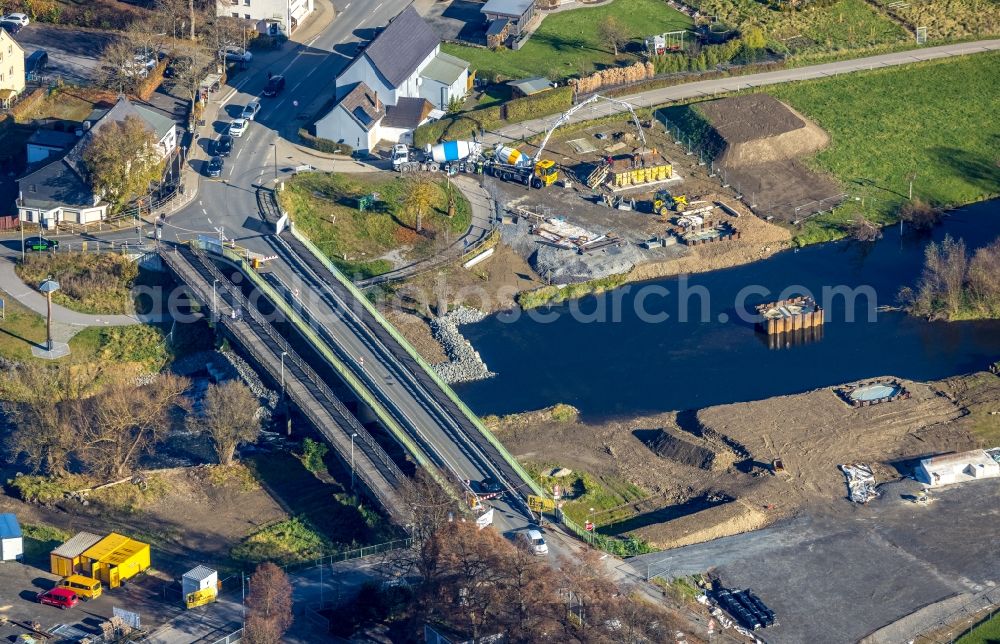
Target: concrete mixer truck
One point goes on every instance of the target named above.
(510, 164)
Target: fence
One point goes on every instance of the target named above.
(353, 553)
(232, 638)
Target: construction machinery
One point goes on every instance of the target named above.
(664, 202)
(510, 164)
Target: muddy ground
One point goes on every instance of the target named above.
(812, 433)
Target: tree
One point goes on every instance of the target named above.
(44, 416)
(119, 71)
(861, 229)
(984, 279)
(419, 200)
(124, 422)
(753, 40)
(920, 215)
(940, 290)
(269, 605)
(229, 416)
(190, 62)
(613, 33)
(122, 160)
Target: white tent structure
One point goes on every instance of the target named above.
(957, 468)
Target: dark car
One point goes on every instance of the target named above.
(486, 489)
(274, 86)
(224, 146)
(40, 244)
(215, 167)
(10, 27)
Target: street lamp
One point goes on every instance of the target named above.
(283, 354)
(214, 282)
(590, 520)
(49, 287)
(274, 146)
(353, 436)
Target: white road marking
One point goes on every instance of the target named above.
(208, 218)
(237, 157)
(205, 212)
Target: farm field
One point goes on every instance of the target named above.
(887, 125)
(846, 24)
(950, 18)
(568, 43)
(373, 241)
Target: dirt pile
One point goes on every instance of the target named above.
(666, 444)
(713, 523)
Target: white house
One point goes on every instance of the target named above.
(59, 191)
(957, 468)
(404, 70)
(269, 16)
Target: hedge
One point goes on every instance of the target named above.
(551, 101)
(28, 103)
(460, 126)
(324, 145)
(152, 81)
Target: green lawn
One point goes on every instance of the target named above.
(23, 328)
(567, 43)
(985, 633)
(887, 124)
(847, 24)
(323, 207)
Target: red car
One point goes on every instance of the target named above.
(61, 597)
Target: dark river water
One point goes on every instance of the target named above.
(615, 354)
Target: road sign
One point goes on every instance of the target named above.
(589, 526)
(486, 519)
(541, 504)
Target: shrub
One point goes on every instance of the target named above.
(324, 145)
(457, 127)
(27, 104)
(312, 455)
(920, 215)
(548, 102)
(153, 80)
(286, 542)
(563, 413)
(44, 489)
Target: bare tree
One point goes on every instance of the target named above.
(230, 416)
(941, 287)
(984, 279)
(120, 72)
(920, 215)
(190, 63)
(269, 605)
(613, 33)
(864, 230)
(124, 422)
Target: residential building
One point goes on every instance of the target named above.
(517, 13)
(268, 16)
(11, 69)
(404, 71)
(59, 191)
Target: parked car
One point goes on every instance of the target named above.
(537, 543)
(10, 27)
(36, 62)
(84, 587)
(215, 167)
(486, 489)
(19, 18)
(250, 111)
(274, 86)
(40, 244)
(238, 127)
(236, 54)
(224, 146)
(61, 597)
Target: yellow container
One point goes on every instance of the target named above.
(85, 587)
(115, 559)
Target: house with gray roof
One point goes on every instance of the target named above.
(60, 191)
(404, 61)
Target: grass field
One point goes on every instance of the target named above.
(847, 24)
(886, 125)
(985, 633)
(323, 207)
(23, 328)
(951, 18)
(567, 43)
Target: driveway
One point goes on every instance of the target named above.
(74, 54)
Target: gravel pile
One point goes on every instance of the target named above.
(464, 363)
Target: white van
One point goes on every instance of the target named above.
(537, 543)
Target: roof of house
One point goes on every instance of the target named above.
(52, 138)
(114, 549)
(497, 26)
(445, 68)
(529, 86)
(402, 45)
(123, 109)
(9, 528)
(363, 105)
(55, 184)
(407, 113)
(975, 456)
(199, 573)
(76, 545)
(514, 8)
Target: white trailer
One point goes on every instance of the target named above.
(11, 540)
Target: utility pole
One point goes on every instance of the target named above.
(283, 354)
(353, 436)
(191, 15)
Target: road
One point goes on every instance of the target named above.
(712, 87)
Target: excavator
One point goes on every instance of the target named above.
(664, 202)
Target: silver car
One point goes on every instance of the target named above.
(250, 111)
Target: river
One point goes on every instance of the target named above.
(614, 354)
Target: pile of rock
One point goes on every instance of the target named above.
(464, 363)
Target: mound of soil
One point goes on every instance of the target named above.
(677, 449)
(758, 129)
(713, 523)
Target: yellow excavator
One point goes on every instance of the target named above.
(664, 202)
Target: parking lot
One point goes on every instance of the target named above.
(843, 575)
(74, 54)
